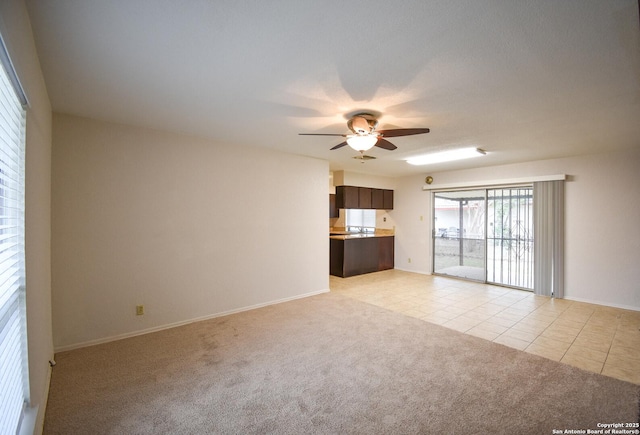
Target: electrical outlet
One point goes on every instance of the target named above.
(139, 310)
(409, 260)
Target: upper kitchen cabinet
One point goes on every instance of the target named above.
(363, 198)
(387, 201)
(377, 199)
(347, 197)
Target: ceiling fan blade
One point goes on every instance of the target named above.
(395, 132)
(321, 134)
(340, 145)
(383, 143)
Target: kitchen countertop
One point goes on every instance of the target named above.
(346, 235)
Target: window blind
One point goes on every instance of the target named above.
(13, 351)
(360, 218)
(548, 245)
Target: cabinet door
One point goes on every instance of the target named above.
(377, 199)
(360, 256)
(333, 210)
(385, 253)
(336, 257)
(388, 199)
(364, 197)
(347, 197)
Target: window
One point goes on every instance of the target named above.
(14, 388)
(360, 220)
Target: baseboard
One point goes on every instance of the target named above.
(413, 271)
(183, 322)
(587, 301)
(605, 304)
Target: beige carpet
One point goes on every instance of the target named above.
(329, 365)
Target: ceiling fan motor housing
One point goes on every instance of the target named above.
(361, 125)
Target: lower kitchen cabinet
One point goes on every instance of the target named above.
(385, 253)
(356, 256)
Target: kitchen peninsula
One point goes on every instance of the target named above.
(358, 253)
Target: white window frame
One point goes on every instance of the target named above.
(363, 220)
(14, 369)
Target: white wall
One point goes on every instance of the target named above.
(16, 31)
(187, 227)
(602, 237)
(347, 178)
(412, 214)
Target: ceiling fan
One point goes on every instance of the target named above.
(365, 136)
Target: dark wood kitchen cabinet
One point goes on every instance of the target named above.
(334, 212)
(347, 197)
(350, 257)
(385, 253)
(364, 198)
(377, 199)
(387, 199)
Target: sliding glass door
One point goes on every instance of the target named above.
(485, 235)
(459, 235)
(510, 237)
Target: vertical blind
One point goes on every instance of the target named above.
(548, 245)
(13, 353)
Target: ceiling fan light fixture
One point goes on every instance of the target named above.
(446, 156)
(364, 137)
(362, 143)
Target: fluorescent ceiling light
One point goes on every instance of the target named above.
(362, 143)
(446, 156)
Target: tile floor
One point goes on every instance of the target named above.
(593, 337)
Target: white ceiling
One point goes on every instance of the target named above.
(522, 79)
